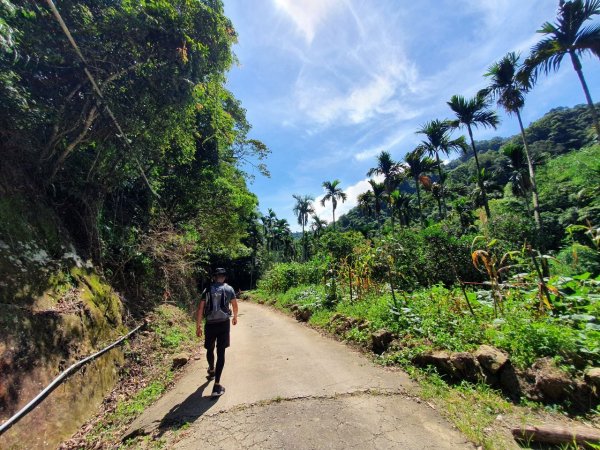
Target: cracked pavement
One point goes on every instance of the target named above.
(290, 387)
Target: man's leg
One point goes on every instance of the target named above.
(209, 344)
(222, 344)
(220, 364)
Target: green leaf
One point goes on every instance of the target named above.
(583, 276)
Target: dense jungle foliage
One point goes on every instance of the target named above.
(140, 205)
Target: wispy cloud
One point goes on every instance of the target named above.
(355, 71)
(390, 143)
(307, 15)
(324, 102)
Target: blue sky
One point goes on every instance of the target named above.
(329, 84)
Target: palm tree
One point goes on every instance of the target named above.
(492, 188)
(378, 197)
(508, 87)
(365, 202)
(268, 227)
(519, 178)
(464, 209)
(472, 113)
(387, 167)
(416, 165)
(435, 189)
(282, 235)
(437, 133)
(303, 209)
(399, 203)
(566, 36)
(318, 225)
(333, 193)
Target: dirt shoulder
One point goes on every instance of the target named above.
(153, 364)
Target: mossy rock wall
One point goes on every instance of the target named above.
(56, 309)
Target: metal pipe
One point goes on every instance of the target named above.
(59, 380)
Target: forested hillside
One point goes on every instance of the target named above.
(156, 205)
(123, 178)
(561, 131)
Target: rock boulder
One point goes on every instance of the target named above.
(466, 366)
(592, 376)
(380, 341)
(552, 384)
(180, 360)
(438, 359)
(490, 359)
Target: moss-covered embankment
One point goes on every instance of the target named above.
(56, 309)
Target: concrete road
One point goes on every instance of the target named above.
(290, 387)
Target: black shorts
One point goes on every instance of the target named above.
(216, 332)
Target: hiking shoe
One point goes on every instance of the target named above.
(210, 373)
(217, 391)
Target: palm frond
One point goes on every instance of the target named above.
(545, 56)
(588, 39)
(547, 28)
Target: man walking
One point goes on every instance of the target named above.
(214, 307)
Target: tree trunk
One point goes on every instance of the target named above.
(557, 435)
(442, 199)
(479, 180)
(588, 97)
(303, 243)
(419, 201)
(92, 115)
(535, 197)
(333, 209)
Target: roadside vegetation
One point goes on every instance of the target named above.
(495, 256)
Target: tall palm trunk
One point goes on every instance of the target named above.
(303, 243)
(535, 197)
(419, 201)
(479, 180)
(333, 208)
(577, 66)
(441, 200)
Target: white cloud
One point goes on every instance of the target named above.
(357, 70)
(391, 142)
(307, 15)
(352, 192)
(370, 95)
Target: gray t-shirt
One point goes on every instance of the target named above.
(218, 298)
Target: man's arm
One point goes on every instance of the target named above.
(234, 306)
(200, 317)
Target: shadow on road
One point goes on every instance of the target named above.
(187, 411)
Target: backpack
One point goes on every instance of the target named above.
(216, 308)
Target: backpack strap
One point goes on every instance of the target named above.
(208, 304)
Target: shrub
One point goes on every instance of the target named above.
(340, 245)
(578, 259)
(283, 276)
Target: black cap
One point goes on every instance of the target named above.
(220, 271)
